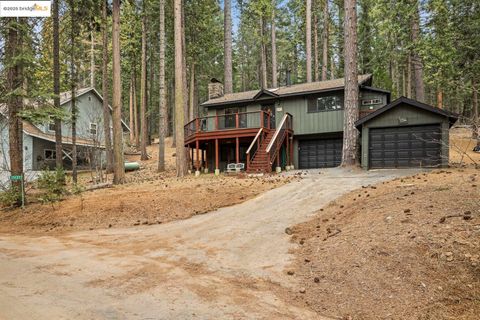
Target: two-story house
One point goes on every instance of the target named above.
(301, 126)
(39, 140)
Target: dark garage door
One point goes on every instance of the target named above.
(403, 147)
(320, 153)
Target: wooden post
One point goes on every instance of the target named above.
(216, 154)
(197, 125)
(216, 122)
(193, 165)
(206, 157)
(278, 154)
(291, 152)
(287, 149)
(261, 119)
(237, 150)
(268, 118)
(248, 161)
(237, 123)
(197, 146)
(203, 158)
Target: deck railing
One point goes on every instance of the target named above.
(241, 120)
(276, 143)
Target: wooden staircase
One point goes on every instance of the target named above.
(261, 160)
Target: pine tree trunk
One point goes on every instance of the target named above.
(476, 122)
(325, 35)
(56, 85)
(409, 76)
(308, 41)
(92, 58)
(119, 165)
(274, 48)
(227, 11)
(416, 60)
(132, 114)
(184, 69)
(181, 164)
(191, 99)
(440, 98)
(316, 71)
(263, 53)
(143, 90)
(73, 84)
(105, 91)
(14, 73)
(163, 118)
(350, 133)
(135, 110)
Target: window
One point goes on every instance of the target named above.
(51, 124)
(49, 154)
(368, 102)
(93, 129)
(328, 103)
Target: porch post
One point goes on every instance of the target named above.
(278, 169)
(237, 150)
(291, 154)
(193, 165)
(287, 153)
(237, 122)
(197, 163)
(217, 170)
(206, 159)
(261, 119)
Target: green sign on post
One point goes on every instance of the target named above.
(20, 178)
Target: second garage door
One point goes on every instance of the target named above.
(320, 153)
(402, 147)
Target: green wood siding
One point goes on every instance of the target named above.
(413, 116)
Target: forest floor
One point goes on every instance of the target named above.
(461, 147)
(403, 249)
(147, 198)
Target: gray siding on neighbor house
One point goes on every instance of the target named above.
(89, 110)
(410, 116)
(4, 148)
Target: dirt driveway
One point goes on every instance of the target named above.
(228, 264)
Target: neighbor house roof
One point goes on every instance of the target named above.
(31, 130)
(286, 91)
(403, 100)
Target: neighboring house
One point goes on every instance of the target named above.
(39, 140)
(301, 126)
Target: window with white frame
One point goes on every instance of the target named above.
(51, 125)
(93, 128)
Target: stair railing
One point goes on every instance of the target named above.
(255, 141)
(275, 144)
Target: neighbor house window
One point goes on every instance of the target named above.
(93, 129)
(49, 154)
(51, 125)
(328, 103)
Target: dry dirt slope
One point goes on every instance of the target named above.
(405, 249)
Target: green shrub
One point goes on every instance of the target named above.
(77, 189)
(53, 185)
(10, 197)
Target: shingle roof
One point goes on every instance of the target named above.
(296, 89)
(403, 100)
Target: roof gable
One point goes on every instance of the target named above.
(416, 104)
(264, 93)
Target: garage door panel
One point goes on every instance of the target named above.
(399, 147)
(320, 153)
